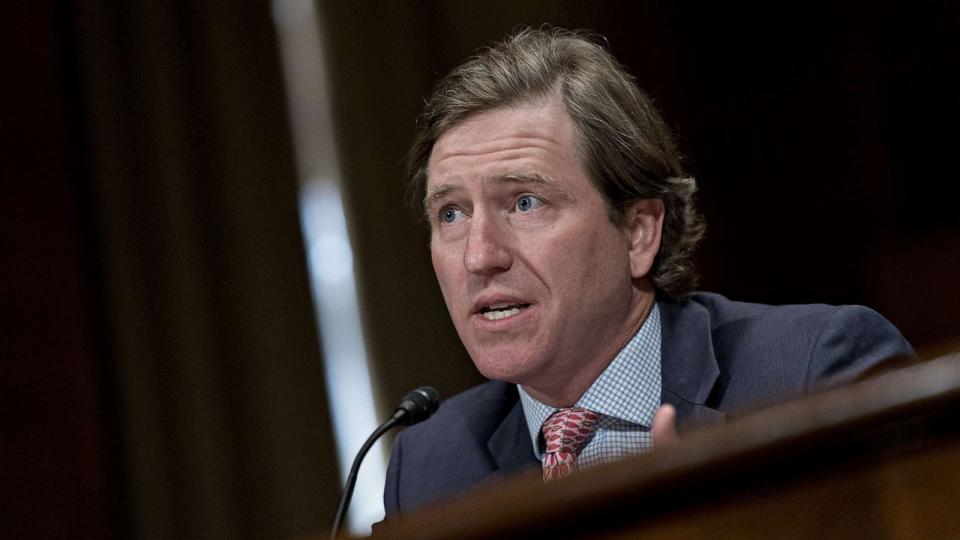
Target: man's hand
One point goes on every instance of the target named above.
(665, 426)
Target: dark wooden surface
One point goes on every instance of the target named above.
(877, 459)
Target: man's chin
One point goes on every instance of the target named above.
(507, 369)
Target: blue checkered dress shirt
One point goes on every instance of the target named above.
(626, 396)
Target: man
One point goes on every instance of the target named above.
(562, 227)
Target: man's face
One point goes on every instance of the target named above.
(535, 276)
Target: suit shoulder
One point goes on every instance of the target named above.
(467, 402)
(478, 411)
(725, 311)
(482, 392)
(806, 344)
(856, 341)
(811, 319)
(448, 452)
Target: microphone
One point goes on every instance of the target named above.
(416, 406)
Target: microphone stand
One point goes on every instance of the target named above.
(416, 406)
(394, 421)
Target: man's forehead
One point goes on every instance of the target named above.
(489, 130)
(520, 140)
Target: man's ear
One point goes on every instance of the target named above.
(644, 222)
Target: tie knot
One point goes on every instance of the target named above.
(565, 433)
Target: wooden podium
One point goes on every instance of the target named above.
(876, 459)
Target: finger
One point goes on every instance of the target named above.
(665, 426)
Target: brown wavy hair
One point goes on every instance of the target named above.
(625, 146)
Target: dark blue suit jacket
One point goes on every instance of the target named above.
(718, 357)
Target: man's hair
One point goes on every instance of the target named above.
(623, 143)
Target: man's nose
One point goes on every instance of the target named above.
(487, 249)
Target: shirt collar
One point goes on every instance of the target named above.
(627, 390)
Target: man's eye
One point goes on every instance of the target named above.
(450, 214)
(527, 203)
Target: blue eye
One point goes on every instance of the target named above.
(450, 214)
(527, 203)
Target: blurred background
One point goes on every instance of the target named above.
(210, 288)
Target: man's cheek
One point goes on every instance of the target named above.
(446, 278)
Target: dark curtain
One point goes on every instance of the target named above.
(162, 314)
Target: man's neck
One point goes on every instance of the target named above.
(572, 388)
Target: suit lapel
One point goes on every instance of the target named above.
(510, 445)
(688, 363)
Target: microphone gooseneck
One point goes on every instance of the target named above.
(416, 406)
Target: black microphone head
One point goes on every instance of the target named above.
(418, 405)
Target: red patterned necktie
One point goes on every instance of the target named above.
(566, 432)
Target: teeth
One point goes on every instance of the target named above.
(500, 313)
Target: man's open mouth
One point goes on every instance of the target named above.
(502, 311)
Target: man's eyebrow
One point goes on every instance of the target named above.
(435, 193)
(440, 191)
(533, 178)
